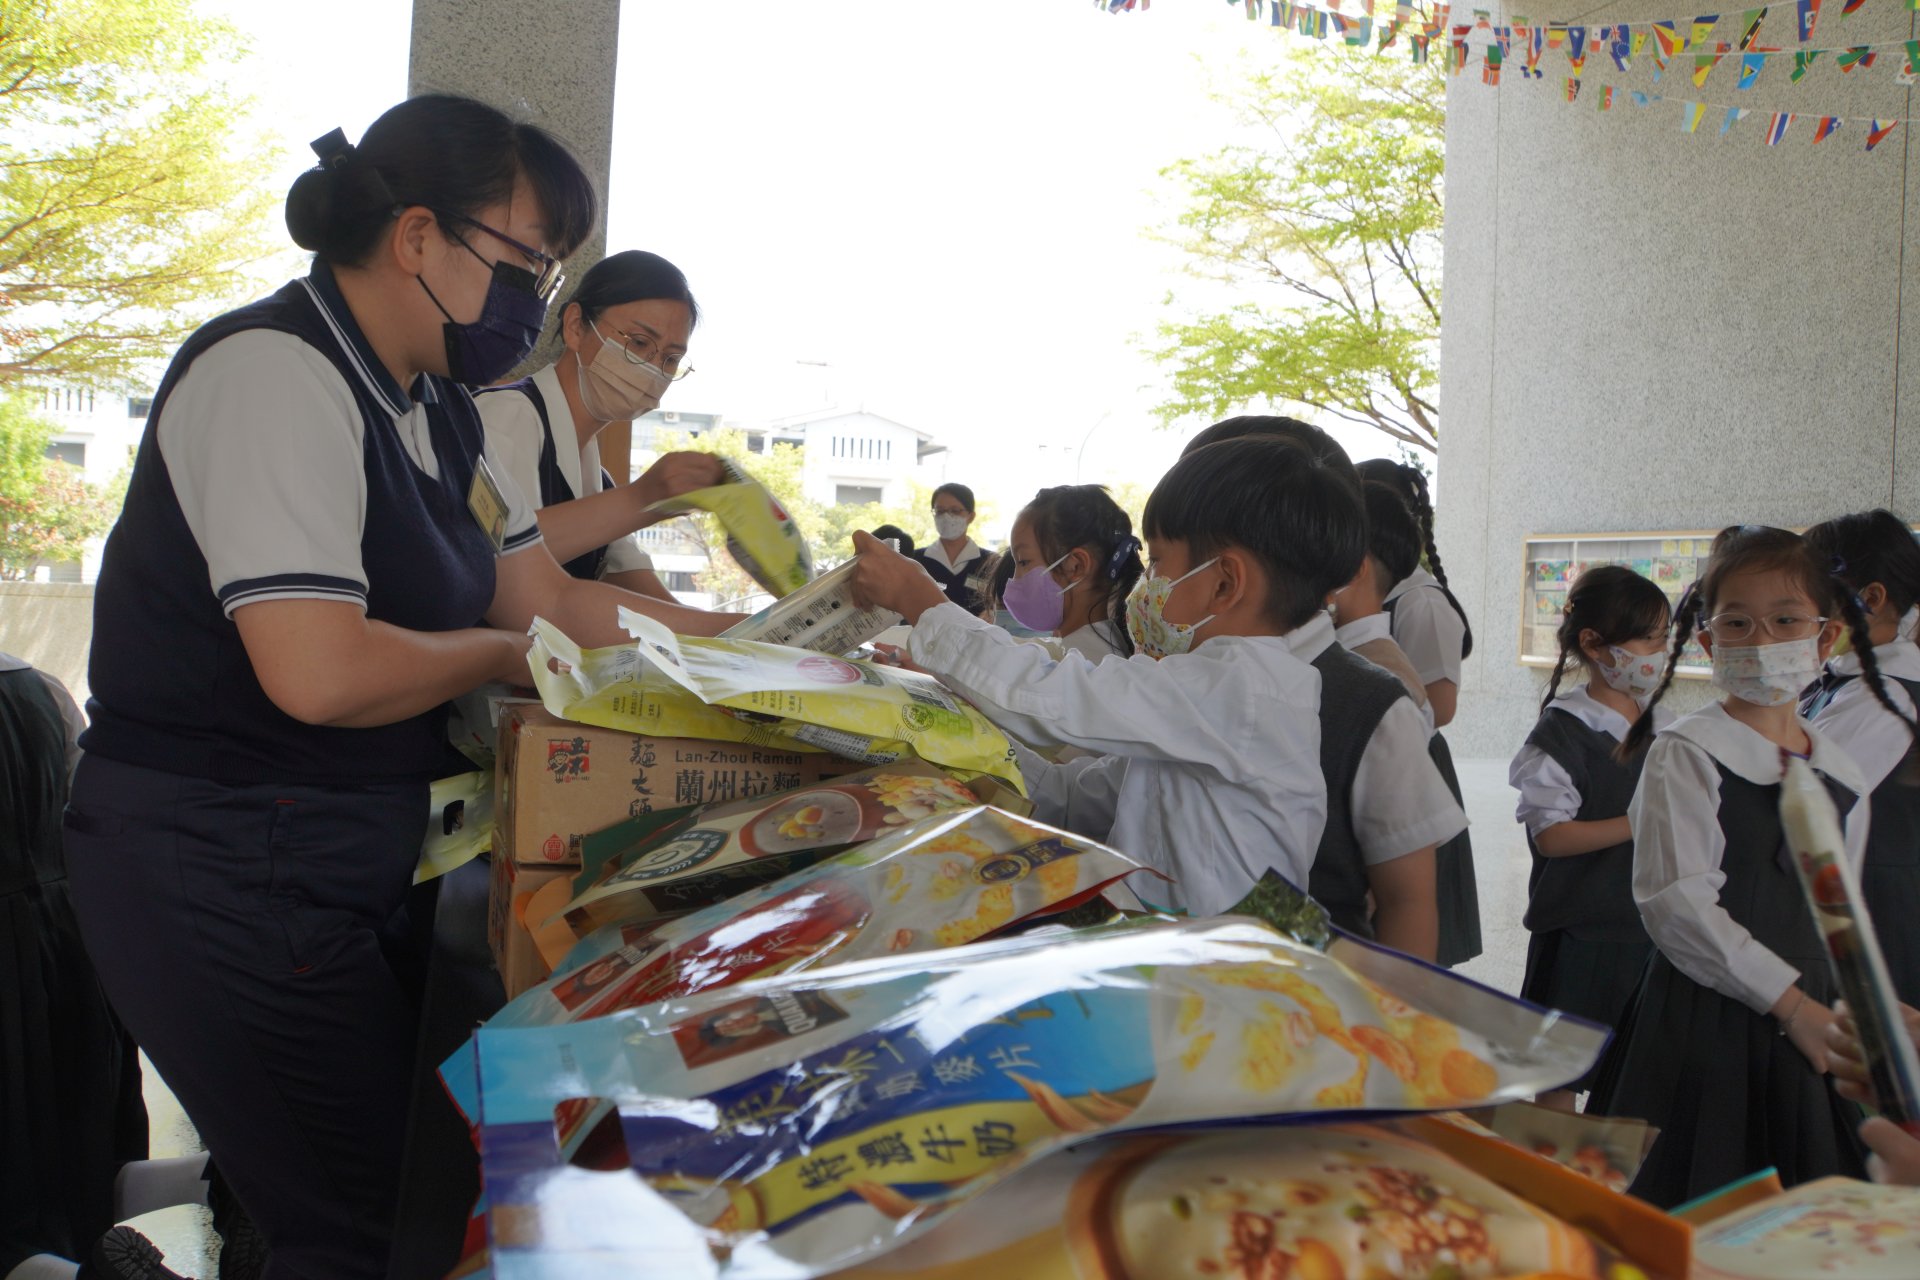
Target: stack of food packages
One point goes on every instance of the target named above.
(929, 1048)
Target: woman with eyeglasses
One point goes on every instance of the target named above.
(623, 336)
(319, 550)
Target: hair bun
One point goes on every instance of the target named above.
(330, 202)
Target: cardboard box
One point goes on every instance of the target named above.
(514, 952)
(558, 782)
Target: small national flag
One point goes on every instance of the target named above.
(1482, 19)
(1281, 11)
(1801, 61)
(1606, 97)
(1573, 89)
(1734, 116)
(1622, 48)
(1877, 131)
(1389, 34)
(1848, 59)
(1359, 32)
(1751, 65)
(1692, 115)
(1778, 126)
(1809, 19)
(1417, 48)
(1828, 126)
(1851, 5)
(1750, 27)
(1459, 45)
(1490, 67)
(1639, 41)
(1703, 65)
(1913, 56)
(1702, 28)
(1641, 99)
(1577, 43)
(1914, 5)
(1556, 34)
(1668, 37)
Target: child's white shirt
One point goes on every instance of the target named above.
(1428, 629)
(1209, 762)
(1865, 730)
(1678, 847)
(1547, 794)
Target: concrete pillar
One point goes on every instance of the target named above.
(1650, 330)
(552, 65)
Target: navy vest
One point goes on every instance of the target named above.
(1762, 891)
(554, 488)
(1590, 894)
(962, 585)
(1354, 696)
(172, 686)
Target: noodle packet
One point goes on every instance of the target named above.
(761, 536)
(855, 709)
(821, 616)
(717, 851)
(812, 1120)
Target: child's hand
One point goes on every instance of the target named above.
(1896, 1153)
(890, 580)
(1844, 1057)
(892, 655)
(1808, 1031)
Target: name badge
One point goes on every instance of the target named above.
(488, 506)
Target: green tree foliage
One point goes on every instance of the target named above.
(47, 509)
(1327, 221)
(131, 204)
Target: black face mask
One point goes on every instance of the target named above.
(484, 351)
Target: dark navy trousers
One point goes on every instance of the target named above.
(255, 941)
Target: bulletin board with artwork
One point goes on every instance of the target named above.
(1551, 562)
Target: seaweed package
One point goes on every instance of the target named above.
(851, 708)
(809, 1121)
(761, 536)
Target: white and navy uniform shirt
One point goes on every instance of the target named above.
(1679, 841)
(283, 462)
(530, 429)
(1207, 765)
(1427, 627)
(958, 576)
(1876, 738)
(1548, 796)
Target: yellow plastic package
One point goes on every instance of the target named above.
(459, 824)
(851, 708)
(760, 533)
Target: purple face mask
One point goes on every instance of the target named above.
(483, 352)
(1034, 601)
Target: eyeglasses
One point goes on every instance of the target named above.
(546, 273)
(644, 348)
(1738, 628)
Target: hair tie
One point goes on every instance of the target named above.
(1127, 547)
(1839, 567)
(333, 149)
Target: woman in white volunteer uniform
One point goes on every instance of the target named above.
(624, 336)
(954, 559)
(317, 552)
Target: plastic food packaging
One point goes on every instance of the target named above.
(1610, 1151)
(1347, 1200)
(718, 851)
(821, 616)
(809, 1121)
(459, 824)
(1840, 914)
(1832, 1227)
(761, 536)
(854, 709)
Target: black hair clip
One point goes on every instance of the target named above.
(333, 149)
(1839, 567)
(1127, 547)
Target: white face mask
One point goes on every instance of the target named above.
(1767, 675)
(950, 527)
(614, 388)
(1635, 674)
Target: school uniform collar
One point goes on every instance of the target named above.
(969, 553)
(1753, 757)
(1897, 659)
(1375, 626)
(1311, 638)
(332, 305)
(566, 440)
(1589, 711)
(1418, 578)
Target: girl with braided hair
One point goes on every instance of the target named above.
(1075, 560)
(1874, 554)
(1725, 1047)
(1588, 947)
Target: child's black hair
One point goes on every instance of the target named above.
(1295, 514)
(1754, 548)
(897, 534)
(447, 153)
(1085, 515)
(1411, 484)
(1304, 434)
(1612, 601)
(1393, 537)
(1860, 550)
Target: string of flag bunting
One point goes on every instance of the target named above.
(1686, 45)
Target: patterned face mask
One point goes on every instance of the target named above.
(1635, 674)
(1767, 675)
(1147, 623)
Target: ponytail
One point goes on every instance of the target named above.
(1068, 517)
(1684, 619)
(1855, 613)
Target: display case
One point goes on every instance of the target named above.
(1551, 562)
